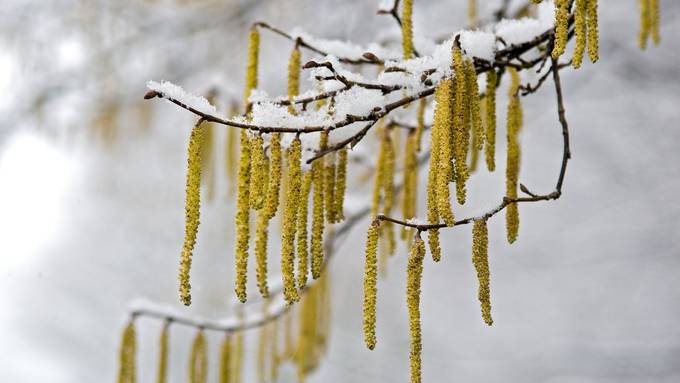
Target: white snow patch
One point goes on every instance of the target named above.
(526, 29)
(478, 44)
(170, 90)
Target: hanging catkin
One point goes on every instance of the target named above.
(388, 194)
(302, 249)
(371, 284)
(271, 203)
(242, 217)
(432, 211)
(580, 11)
(415, 272)
(263, 337)
(410, 183)
(258, 166)
(192, 210)
(162, 371)
(513, 157)
(379, 173)
(318, 209)
(261, 237)
(645, 23)
(480, 259)
(251, 66)
(443, 128)
(407, 28)
(472, 13)
(654, 21)
(237, 367)
(127, 354)
(294, 73)
(561, 27)
(461, 139)
(329, 186)
(420, 128)
(490, 136)
(340, 186)
(474, 112)
(198, 361)
(274, 359)
(473, 96)
(288, 344)
(207, 161)
(593, 33)
(294, 184)
(225, 360)
(231, 154)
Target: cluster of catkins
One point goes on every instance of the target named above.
(303, 348)
(464, 125)
(262, 171)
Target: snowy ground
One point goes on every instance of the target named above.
(589, 293)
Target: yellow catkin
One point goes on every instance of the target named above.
(580, 11)
(274, 187)
(420, 128)
(472, 13)
(480, 259)
(410, 183)
(329, 186)
(561, 27)
(274, 358)
(318, 210)
(460, 124)
(237, 367)
(288, 344)
(388, 176)
(258, 166)
(294, 73)
(242, 218)
(477, 128)
(251, 66)
(302, 249)
(388, 197)
(294, 184)
(513, 158)
(261, 238)
(432, 211)
(379, 174)
(263, 337)
(198, 360)
(443, 128)
(192, 211)
(225, 360)
(162, 370)
(340, 186)
(207, 161)
(645, 23)
(407, 28)
(127, 354)
(654, 17)
(231, 153)
(415, 273)
(490, 136)
(371, 284)
(593, 33)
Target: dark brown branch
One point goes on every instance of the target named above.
(556, 194)
(301, 42)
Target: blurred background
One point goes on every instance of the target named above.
(92, 201)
